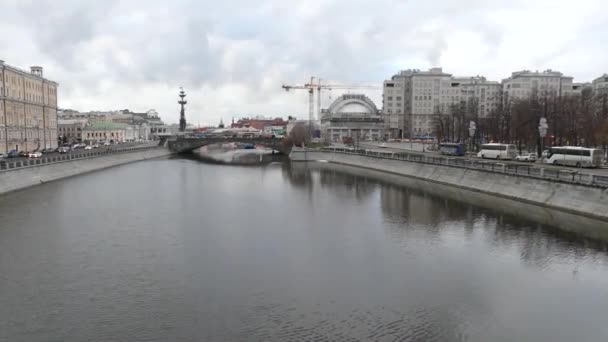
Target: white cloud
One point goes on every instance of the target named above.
(233, 56)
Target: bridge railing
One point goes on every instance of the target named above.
(546, 173)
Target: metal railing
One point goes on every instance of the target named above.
(9, 165)
(530, 171)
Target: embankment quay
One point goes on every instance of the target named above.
(568, 190)
(23, 173)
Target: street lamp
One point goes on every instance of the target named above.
(542, 131)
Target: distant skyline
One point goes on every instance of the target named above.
(232, 57)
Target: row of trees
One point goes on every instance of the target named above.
(578, 120)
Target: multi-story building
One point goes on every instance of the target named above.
(484, 95)
(525, 83)
(70, 130)
(28, 109)
(412, 99)
(352, 115)
(600, 84)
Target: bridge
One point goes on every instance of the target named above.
(187, 144)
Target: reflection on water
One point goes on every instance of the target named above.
(179, 250)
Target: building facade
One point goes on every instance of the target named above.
(600, 84)
(104, 131)
(354, 116)
(523, 84)
(412, 99)
(477, 94)
(28, 109)
(70, 130)
(258, 122)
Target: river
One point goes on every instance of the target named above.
(179, 250)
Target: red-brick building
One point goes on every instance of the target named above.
(258, 123)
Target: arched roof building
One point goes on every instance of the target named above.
(352, 115)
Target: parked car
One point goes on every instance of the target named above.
(35, 154)
(63, 149)
(107, 143)
(96, 146)
(12, 154)
(22, 154)
(383, 145)
(526, 157)
(1, 156)
(88, 147)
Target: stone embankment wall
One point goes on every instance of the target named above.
(23, 177)
(578, 199)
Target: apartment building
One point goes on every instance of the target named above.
(525, 83)
(600, 84)
(413, 98)
(484, 95)
(28, 109)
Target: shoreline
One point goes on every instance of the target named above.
(571, 199)
(12, 180)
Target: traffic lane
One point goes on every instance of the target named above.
(603, 171)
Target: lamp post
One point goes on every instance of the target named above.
(542, 131)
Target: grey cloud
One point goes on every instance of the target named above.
(157, 44)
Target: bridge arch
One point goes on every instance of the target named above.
(188, 144)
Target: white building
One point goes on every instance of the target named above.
(413, 98)
(352, 115)
(486, 94)
(600, 84)
(523, 84)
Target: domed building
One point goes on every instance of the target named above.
(351, 115)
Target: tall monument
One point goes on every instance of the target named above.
(182, 115)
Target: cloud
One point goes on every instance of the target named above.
(233, 56)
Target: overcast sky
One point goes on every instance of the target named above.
(233, 56)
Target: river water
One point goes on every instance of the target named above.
(179, 250)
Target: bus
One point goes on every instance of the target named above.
(498, 151)
(574, 156)
(452, 149)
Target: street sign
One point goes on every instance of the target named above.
(472, 128)
(543, 127)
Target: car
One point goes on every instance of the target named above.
(35, 154)
(527, 157)
(96, 146)
(88, 147)
(63, 149)
(12, 154)
(22, 154)
(383, 145)
(107, 143)
(1, 156)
